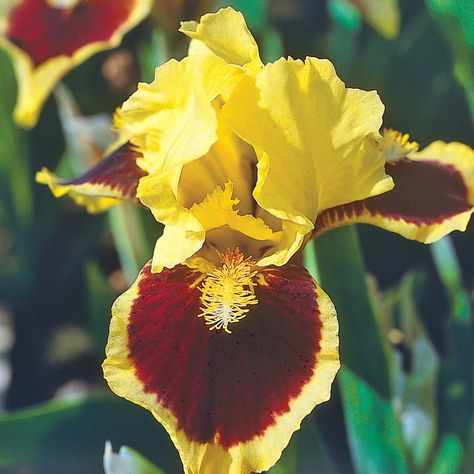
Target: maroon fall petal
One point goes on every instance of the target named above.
(229, 386)
(45, 32)
(118, 172)
(426, 193)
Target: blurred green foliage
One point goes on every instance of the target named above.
(404, 399)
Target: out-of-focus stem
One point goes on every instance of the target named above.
(373, 428)
(130, 240)
(449, 270)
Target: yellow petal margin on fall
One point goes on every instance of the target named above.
(88, 195)
(255, 455)
(461, 158)
(36, 83)
(433, 194)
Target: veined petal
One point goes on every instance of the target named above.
(230, 402)
(433, 195)
(45, 41)
(115, 178)
(382, 15)
(172, 119)
(312, 137)
(226, 35)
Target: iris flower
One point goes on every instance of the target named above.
(226, 341)
(47, 38)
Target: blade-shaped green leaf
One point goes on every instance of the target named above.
(15, 173)
(343, 278)
(457, 382)
(449, 456)
(373, 429)
(456, 19)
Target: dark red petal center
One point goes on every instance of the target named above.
(45, 32)
(119, 171)
(426, 192)
(224, 387)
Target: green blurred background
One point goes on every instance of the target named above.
(405, 405)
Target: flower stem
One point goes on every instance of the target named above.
(372, 426)
(129, 236)
(343, 278)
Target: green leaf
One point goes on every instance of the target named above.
(15, 178)
(456, 19)
(373, 429)
(343, 278)
(457, 380)
(449, 270)
(69, 436)
(449, 456)
(130, 238)
(374, 434)
(310, 261)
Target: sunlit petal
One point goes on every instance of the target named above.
(230, 402)
(433, 195)
(312, 137)
(226, 35)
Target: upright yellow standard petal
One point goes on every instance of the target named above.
(312, 137)
(226, 35)
(172, 120)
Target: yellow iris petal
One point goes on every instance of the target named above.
(226, 35)
(217, 210)
(186, 229)
(174, 197)
(172, 119)
(313, 139)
